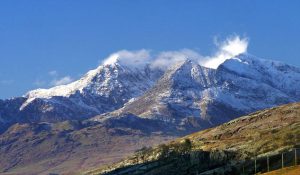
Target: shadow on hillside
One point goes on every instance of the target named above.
(192, 163)
(180, 160)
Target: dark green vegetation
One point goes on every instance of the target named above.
(218, 149)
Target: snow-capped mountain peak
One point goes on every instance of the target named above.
(274, 73)
(62, 90)
(105, 88)
(238, 86)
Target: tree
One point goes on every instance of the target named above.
(187, 146)
(143, 152)
(164, 150)
(183, 147)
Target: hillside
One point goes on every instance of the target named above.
(257, 134)
(285, 171)
(71, 146)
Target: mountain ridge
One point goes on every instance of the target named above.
(227, 95)
(185, 94)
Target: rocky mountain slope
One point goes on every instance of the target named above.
(257, 134)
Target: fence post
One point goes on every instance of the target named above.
(255, 165)
(295, 156)
(268, 163)
(282, 160)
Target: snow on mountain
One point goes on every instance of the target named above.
(62, 90)
(247, 83)
(101, 90)
(175, 97)
(276, 74)
(190, 95)
(129, 98)
(120, 69)
(187, 94)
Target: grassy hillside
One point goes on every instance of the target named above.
(67, 147)
(286, 171)
(257, 134)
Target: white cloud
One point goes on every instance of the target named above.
(54, 82)
(6, 82)
(61, 81)
(129, 58)
(229, 48)
(53, 73)
(167, 58)
(53, 79)
(40, 83)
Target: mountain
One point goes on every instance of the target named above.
(193, 97)
(219, 149)
(187, 94)
(101, 90)
(116, 109)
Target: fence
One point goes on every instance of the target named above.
(271, 162)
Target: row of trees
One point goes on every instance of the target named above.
(165, 150)
(175, 148)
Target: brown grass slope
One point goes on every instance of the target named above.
(257, 134)
(67, 147)
(295, 170)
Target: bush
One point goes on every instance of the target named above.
(143, 150)
(164, 150)
(182, 147)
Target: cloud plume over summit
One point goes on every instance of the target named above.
(229, 48)
(226, 49)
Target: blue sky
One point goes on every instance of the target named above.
(42, 42)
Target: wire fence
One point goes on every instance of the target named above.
(271, 162)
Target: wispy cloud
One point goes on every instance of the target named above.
(40, 83)
(61, 81)
(167, 58)
(129, 58)
(230, 47)
(53, 79)
(6, 82)
(226, 49)
(53, 73)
